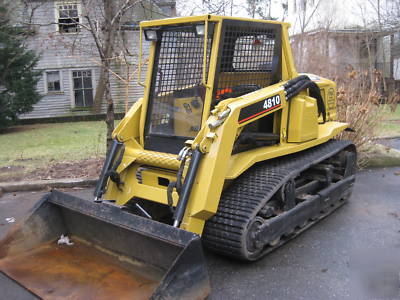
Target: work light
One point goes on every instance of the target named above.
(151, 35)
(200, 29)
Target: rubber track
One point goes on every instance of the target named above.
(225, 232)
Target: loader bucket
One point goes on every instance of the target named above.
(114, 255)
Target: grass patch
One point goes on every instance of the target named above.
(390, 124)
(391, 116)
(388, 129)
(35, 146)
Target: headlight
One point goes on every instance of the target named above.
(200, 29)
(151, 35)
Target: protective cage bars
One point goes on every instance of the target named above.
(178, 67)
(249, 58)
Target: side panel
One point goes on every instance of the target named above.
(239, 163)
(303, 119)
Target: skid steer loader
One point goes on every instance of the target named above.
(229, 143)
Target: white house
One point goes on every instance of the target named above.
(69, 59)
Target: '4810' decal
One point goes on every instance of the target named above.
(254, 110)
(272, 102)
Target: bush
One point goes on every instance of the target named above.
(358, 103)
(18, 78)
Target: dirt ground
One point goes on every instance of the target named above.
(47, 151)
(84, 168)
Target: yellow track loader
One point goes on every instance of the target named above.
(229, 148)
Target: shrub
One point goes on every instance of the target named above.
(359, 104)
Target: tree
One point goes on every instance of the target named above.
(18, 78)
(105, 32)
(99, 35)
(215, 7)
(305, 11)
(380, 16)
(259, 9)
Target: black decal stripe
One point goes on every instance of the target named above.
(259, 113)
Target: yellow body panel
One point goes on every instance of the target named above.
(146, 174)
(303, 120)
(241, 162)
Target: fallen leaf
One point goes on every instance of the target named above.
(397, 173)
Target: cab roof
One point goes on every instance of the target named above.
(202, 18)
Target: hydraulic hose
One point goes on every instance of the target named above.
(295, 86)
(295, 80)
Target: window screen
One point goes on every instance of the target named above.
(249, 58)
(177, 97)
(253, 53)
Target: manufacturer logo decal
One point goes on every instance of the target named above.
(331, 99)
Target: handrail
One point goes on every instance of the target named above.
(204, 80)
(140, 58)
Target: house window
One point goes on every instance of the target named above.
(83, 88)
(53, 81)
(68, 17)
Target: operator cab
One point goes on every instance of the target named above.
(247, 59)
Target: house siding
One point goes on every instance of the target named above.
(337, 50)
(59, 104)
(56, 54)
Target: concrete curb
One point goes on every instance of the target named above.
(387, 137)
(381, 156)
(8, 187)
